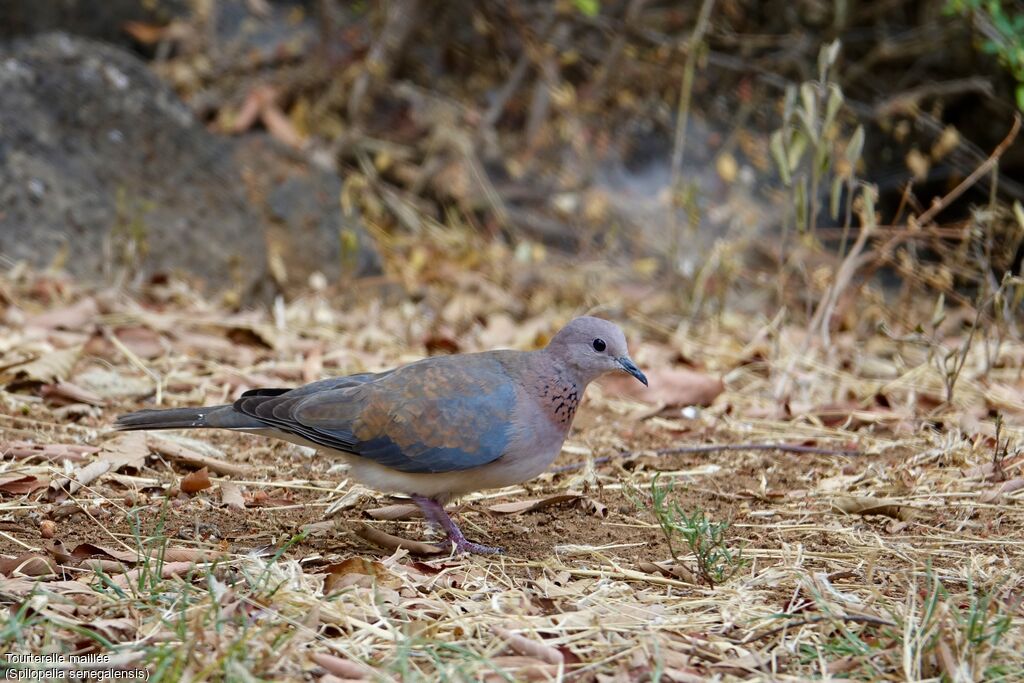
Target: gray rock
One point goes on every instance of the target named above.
(99, 159)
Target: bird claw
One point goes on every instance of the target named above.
(435, 512)
(463, 546)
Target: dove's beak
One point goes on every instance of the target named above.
(630, 367)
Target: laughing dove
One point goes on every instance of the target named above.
(434, 429)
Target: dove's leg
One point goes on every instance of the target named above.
(436, 513)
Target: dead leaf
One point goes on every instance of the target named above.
(520, 507)
(196, 481)
(670, 570)
(261, 498)
(313, 365)
(62, 393)
(169, 553)
(868, 505)
(395, 512)
(231, 495)
(594, 507)
(996, 493)
(179, 453)
(319, 528)
(74, 317)
(839, 482)
(49, 367)
(26, 450)
(987, 470)
(142, 341)
(167, 570)
(21, 485)
(125, 450)
(529, 647)
(744, 664)
(669, 387)
(58, 551)
(385, 540)
(521, 668)
(108, 384)
(81, 477)
(101, 566)
(345, 668)
(27, 564)
(355, 571)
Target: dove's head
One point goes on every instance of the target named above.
(592, 347)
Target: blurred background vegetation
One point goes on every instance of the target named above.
(707, 153)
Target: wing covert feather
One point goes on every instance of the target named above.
(438, 415)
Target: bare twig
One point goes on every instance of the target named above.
(975, 175)
(715, 448)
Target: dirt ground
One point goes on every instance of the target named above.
(872, 532)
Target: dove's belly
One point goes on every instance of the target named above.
(529, 453)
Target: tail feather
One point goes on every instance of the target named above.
(222, 417)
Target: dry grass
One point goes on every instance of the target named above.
(904, 561)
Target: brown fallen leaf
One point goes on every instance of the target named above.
(669, 387)
(167, 570)
(49, 367)
(868, 505)
(85, 551)
(231, 495)
(79, 478)
(101, 566)
(18, 486)
(594, 507)
(125, 450)
(987, 470)
(62, 393)
(59, 552)
(142, 341)
(74, 317)
(280, 126)
(50, 452)
(521, 668)
(345, 668)
(743, 664)
(181, 454)
(520, 507)
(196, 481)
(529, 647)
(385, 540)
(395, 512)
(353, 571)
(263, 499)
(949, 662)
(27, 564)
(1006, 487)
(670, 570)
(319, 528)
(313, 365)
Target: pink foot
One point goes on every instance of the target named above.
(436, 513)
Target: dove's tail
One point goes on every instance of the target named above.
(220, 417)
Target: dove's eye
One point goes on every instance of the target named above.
(599, 345)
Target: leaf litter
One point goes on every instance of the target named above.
(856, 496)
